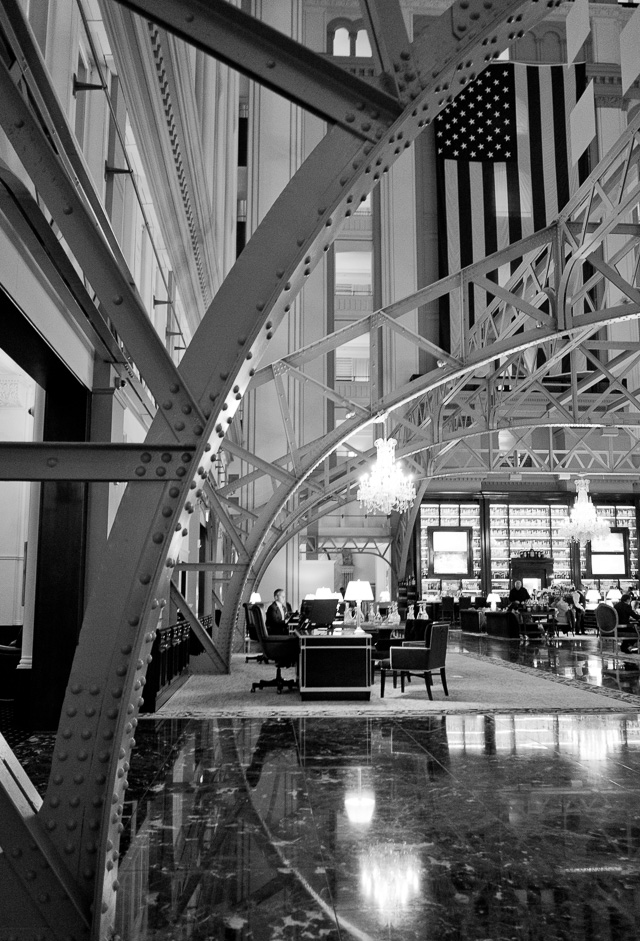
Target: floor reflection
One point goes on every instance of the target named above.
(481, 827)
(575, 657)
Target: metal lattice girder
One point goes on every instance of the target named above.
(96, 734)
(63, 460)
(518, 322)
(275, 61)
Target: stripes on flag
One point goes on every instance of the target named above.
(503, 167)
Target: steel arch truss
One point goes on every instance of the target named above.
(67, 847)
(536, 386)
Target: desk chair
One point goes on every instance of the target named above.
(283, 649)
(448, 610)
(419, 660)
(250, 634)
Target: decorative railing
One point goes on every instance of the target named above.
(169, 667)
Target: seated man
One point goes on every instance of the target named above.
(279, 613)
(626, 615)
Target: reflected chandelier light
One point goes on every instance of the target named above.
(386, 488)
(583, 523)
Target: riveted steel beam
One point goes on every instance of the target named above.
(277, 62)
(63, 460)
(390, 45)
(29, 863)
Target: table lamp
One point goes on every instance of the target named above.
(358, 591)
(613, 595)
(493, 598)
(255, 598)
(592, 598)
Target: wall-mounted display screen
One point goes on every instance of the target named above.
(608, 554)
(450, 550)
(613, 542)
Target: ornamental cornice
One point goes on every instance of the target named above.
(607, 85)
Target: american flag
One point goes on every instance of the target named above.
(503, 164)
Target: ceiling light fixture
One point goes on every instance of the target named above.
(583, 523)
(386, 487)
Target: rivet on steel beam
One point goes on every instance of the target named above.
(179, 426)
(145, 579)
(180, 472)
(161, 471)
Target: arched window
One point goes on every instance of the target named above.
(341, 42)
(363, 46)
(348, 38)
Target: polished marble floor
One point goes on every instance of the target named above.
(489, 828)
(453, 827)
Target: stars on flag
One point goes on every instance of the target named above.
(483, 115)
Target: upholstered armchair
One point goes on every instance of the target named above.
(419, 660)
(608, 627)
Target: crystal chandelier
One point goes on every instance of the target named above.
(386, 488)
(583, 523)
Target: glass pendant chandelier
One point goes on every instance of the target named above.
(386, 487)
(583, 523)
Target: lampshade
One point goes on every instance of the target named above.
(255, 598)
(614, 594)
(493, 598)
(384, 596)
(592, 594)
(358, 591)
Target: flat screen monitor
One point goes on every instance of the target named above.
(322, 611)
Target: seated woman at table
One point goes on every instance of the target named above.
(565, 618)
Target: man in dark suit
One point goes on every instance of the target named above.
(278, 613)
(626, 615)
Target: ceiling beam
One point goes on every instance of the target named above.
(276, 61)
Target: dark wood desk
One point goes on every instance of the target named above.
(335, 666)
